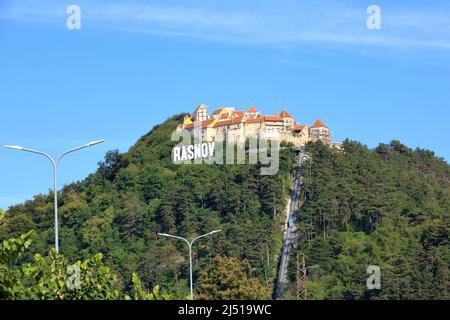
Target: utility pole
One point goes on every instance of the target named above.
(302, 278)
(301, 283)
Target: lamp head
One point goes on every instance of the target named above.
(163, 234)
(93, 143)
(13, 147)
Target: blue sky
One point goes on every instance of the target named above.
(133, 64)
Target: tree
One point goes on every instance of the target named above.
(51, 277)
(228, 279)
(142, 294)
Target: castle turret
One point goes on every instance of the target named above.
(319, 131)
(187, 121)
(285, 115)
(201, 113)
(288, 120)
(252, 109)
(251, 113)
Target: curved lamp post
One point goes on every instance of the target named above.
(55, 164)
(190, 252)
(305, 271)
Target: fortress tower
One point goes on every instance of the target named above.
(201, 113)
(319, 131)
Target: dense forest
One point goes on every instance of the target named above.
(388, 207)
(119, 210)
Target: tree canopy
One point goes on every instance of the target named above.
(118, 211)
(388, 206)
(230, 279)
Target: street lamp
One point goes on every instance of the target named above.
(55, 164)
(310, 267)
(190, 252)
(306, 279)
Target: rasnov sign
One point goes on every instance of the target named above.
(193, 152)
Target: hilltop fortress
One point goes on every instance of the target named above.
(235, 126)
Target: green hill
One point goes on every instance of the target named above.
(387, 207)
(118, 211)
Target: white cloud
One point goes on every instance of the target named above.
(261, 22)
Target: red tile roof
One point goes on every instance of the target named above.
(203, 124)
(217, 111)
(319, 124)
(238, 119)
(298, 127)
(255, 120)
(222, 123)
(228, 122)
(285, 114)
(273, 119)
(252, 109)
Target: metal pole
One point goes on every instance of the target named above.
(191, 283)
(55, 191)
(190, 271)
(55, 179)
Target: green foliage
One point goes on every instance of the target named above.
(119, 210)
(142, 294)
(230, 279)
(387, 207)
(51, 277)
(11, 249)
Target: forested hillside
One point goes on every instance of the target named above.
(387, 207)
(119, 210)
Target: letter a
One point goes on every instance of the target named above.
(74, 20)
(374, 281)
(374, 20)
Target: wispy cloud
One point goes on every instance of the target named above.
(256, 22)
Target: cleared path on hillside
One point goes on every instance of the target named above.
(290, 236)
